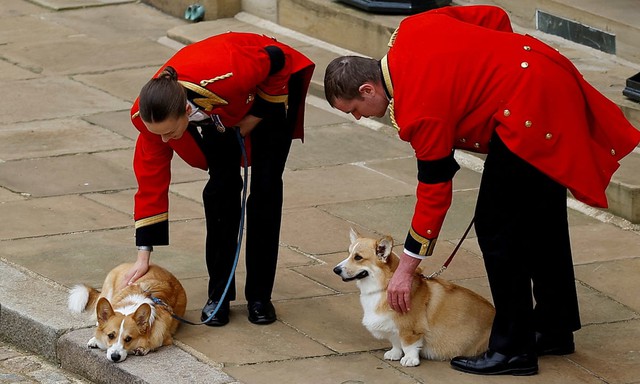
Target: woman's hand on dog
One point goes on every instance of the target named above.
(140, 267)
(399, 289)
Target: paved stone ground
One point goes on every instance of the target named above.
(66, 188)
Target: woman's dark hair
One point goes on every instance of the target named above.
(162, 97)
(344, 76)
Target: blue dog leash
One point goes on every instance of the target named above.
(243, 206)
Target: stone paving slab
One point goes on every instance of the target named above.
(21, 29)
(10, 71)
(115, 121)
(125, 84)
(56, 137)
(248, 343)
(60, 5)
(336, 184)
(64, 98)
(90, 55)
(65, 175)
(611, 278)
(55, 215)
(610, 351)
(132, 18)
(348, 369)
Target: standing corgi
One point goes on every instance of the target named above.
(446, 320)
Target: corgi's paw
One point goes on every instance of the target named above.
(93, 343)
(394, 354)
(410, 361)
(140, 351)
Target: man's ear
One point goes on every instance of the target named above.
(366, 89)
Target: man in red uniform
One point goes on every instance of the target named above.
(193, 107)
(473, 84)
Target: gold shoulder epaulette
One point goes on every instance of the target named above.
(210, 99)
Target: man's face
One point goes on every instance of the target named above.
(370, 103)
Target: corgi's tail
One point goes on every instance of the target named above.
(82, 297)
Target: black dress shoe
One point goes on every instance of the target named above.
(494, 363)
(261, 312)
(554, 343)
(220, 318)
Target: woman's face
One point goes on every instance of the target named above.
(171, 128)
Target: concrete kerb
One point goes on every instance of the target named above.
(33, 316)
(32, 311)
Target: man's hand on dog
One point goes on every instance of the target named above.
(138, 270)
(399, 289)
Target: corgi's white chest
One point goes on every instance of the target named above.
(379, 324)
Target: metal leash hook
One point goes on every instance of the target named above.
(446, 263)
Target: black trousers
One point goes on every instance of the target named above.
(523, 232)
(270, 145)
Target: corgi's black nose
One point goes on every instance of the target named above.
(337, 270)
(115, 357)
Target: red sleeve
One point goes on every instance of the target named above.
(431, 139)
(433, 202)
(152, 167)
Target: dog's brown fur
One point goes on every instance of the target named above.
(445, 320)
(128, 319)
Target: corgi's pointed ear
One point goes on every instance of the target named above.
(141, 317)
(384, 248)
(353, 235)
(103, 310)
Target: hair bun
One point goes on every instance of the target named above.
(169, 73)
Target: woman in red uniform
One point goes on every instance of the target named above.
(193, 107)
(459, 78)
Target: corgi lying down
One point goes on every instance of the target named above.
(446, 320)
(135, 319)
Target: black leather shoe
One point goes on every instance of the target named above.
(261, 312)
(494, 363)
(554, 344)
(221, 317)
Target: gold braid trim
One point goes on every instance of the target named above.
(209, 100)
(393, 38)
(204, 83)
(273, 98)
(392, 116)
(152, 220)
(427, 244)
(386, 75)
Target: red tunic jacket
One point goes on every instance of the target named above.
(457, 74)
(229, 71)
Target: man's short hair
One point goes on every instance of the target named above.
(345, 74)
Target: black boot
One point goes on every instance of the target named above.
(494, 363)
(554, 343)
(221, 317)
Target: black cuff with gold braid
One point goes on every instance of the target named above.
(418, 244)
(153, 230)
